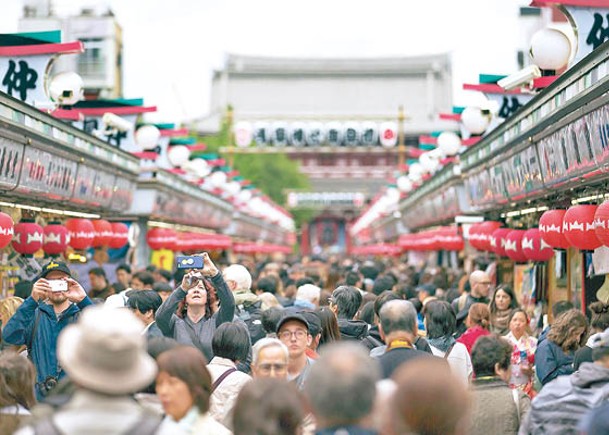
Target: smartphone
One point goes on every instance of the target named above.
(192, 262)
(58, 285)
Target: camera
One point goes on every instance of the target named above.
(47, 385)
(193, 279)
(524, 77)
(58, 285)
(115, 122)
(191, 262)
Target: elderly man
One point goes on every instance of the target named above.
(239, 281)
(293, 331)
(398, 329)
(56, 301)
(307, 297)
(270, 359)
(341, 389)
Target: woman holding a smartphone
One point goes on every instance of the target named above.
(188, 316)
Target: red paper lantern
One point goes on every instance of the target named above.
(486, 230)
(103, 232)
(56, 239)
(120, 235)
(578, 227)
(601, 223)
(513, 246)
(550, 228)
(475, 237)
(28, 237)
(82, 233)
(161, 238)
(6, 230)
(449, 239)
(534, 247)
(498, 241)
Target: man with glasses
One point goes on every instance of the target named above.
(480, 284)
(293, 331)
(270, 359)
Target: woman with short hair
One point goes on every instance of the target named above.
(184, 387)
(478, 321)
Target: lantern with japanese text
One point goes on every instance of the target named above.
(120, 235)
(28, 237)
(601, 223)
(475, 236)
(82, 233)
(486, 229)
(497, 241)
(6, 230)
(513, 246)
(56, 238)
(534, 247)
(550, 229)
(578, 227)
(103, 232)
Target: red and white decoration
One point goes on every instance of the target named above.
(103, 233)
(534, 247)
(120, 235)
(6, 230)
(579, 228)
(82, 233)
(28, 237)
(601, 223)
(551, 229)
(513, 246)
(498, 241)
(56, 239)
(480, 235)
(161, 238)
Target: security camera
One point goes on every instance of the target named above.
(66, 89)
(114, 122)
(524, 77)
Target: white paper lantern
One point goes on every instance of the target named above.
(315, 134)
(429, 162)
(262, 133)
(178, 155)
(404, 184)
(550, 49)
(369, 134)
(218, 179)
(449, 143)
(198, 168)
(66, 88)
(297, 136)
(351, 135)
(243, 134)
(474, 120)
(415, 173)
(334, 133)
(279, 134)
(147, 137)
(388, 134)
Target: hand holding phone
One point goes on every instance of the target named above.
(58, 285)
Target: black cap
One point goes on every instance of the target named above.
(53, 266)
(292, 317)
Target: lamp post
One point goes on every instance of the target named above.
(401, 145)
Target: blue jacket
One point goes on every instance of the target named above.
(551, 361)
(42, 349)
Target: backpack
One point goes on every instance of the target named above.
(252, 317)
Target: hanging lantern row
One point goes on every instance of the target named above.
(166, 238)
(518, 245)
(441, 239)
(27, 237)
(585, 227)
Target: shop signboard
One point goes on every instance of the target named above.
(48, 174)
(122, 198)
(93, 186)
(11, 162)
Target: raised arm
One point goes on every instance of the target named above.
(226, 298)
(165, 314)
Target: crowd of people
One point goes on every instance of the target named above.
(316, 346)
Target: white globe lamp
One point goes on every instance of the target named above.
(147, 137)
(449, 143)
(178, 155)
(474, 120)
(66, 88)
(429, 162)
(550, 49)
(218, 179)
(198, 168)
(404, 184)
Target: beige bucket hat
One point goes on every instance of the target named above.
(105, 352)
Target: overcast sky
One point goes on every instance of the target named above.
(171, 46)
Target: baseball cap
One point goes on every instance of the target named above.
(53, 266)
(292, 317)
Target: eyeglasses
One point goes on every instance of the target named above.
(286, 335)
(272, 367)
(487, 283)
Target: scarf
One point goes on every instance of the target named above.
(442, 343)
(499, 321)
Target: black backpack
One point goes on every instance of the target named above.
(251, 315)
